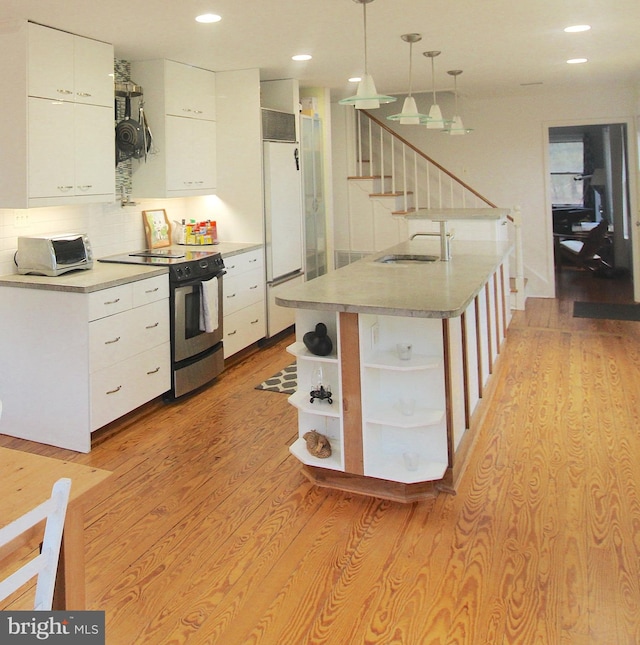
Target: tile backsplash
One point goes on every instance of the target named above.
(111, 228)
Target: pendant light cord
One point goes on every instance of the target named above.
(364, 13)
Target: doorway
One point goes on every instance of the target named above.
(589, 180)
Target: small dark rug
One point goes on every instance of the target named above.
(285, 381)
(609, 311)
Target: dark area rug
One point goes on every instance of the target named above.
(285, 381)
(609, 311)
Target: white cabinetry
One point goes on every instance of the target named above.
(99, 356)
(59, 123)
(243, 300)
(180, 105)
(403, 400)
(128, 347)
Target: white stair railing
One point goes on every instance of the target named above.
(424, 183)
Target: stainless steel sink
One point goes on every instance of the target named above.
(407, 259)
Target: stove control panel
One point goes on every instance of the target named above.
(194, 269)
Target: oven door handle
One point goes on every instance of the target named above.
(196, 281)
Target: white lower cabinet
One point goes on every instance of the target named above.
(129, 351)
(92, 358)
(403, 399)
(243, 301)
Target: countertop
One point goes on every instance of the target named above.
(104, 275)
(426, 290)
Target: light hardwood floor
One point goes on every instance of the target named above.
(210, 534)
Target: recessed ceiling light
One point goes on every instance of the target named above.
(301, 57)
(576, 28)
(209, 17)
(576, 61)
(355, 79)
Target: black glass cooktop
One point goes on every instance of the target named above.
(159, 256)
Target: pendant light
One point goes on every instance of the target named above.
(410, 114)
(435, 122)
(366, 97)
(456, 126)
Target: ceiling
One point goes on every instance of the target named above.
(503, 47)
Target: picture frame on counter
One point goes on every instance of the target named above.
(157, 228)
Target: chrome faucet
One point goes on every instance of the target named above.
(445, 240)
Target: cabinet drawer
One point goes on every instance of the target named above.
(242, 290)
(125, 386)
(110, 301)
(243, 328)
(150, 290)
(115, 338)
(244, 262)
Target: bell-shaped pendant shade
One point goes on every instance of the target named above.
(409, 114)
(456, 126)
(435, 122)
(367, 97)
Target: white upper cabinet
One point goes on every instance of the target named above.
(59, 124)
(190, 91)
(69, 68)
(180, 106)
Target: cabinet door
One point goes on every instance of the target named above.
(93, 65)
(178, 153)
(203, 143)
(51, 148)
(50, 63)
(94, 150)
(189, 91)
(191, 154)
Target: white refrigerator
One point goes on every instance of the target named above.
(284, 242)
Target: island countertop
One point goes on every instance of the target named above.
(426, 289)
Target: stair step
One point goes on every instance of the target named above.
(369, 177)
(396, 194)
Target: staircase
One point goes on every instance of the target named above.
(409, 192)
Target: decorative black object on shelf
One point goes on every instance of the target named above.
(317, 342)
(322, 394)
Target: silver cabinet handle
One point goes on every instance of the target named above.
(231, 295)
(114, 391)
(151, 290)
(85, 94)
(255, 286)
(112, 302)
(153, 371)
(61, 91)
(152, 326)
(253, 322)
(64, 189)
(232, 333)
(110, 342)
(85, 187)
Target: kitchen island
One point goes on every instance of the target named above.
(400, 428)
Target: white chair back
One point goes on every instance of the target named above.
(43, 566)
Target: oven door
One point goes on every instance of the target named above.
(189, 339)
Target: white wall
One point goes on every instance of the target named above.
(505, 157)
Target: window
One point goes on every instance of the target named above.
(567, 162)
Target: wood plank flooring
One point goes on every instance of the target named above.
(210, 533)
